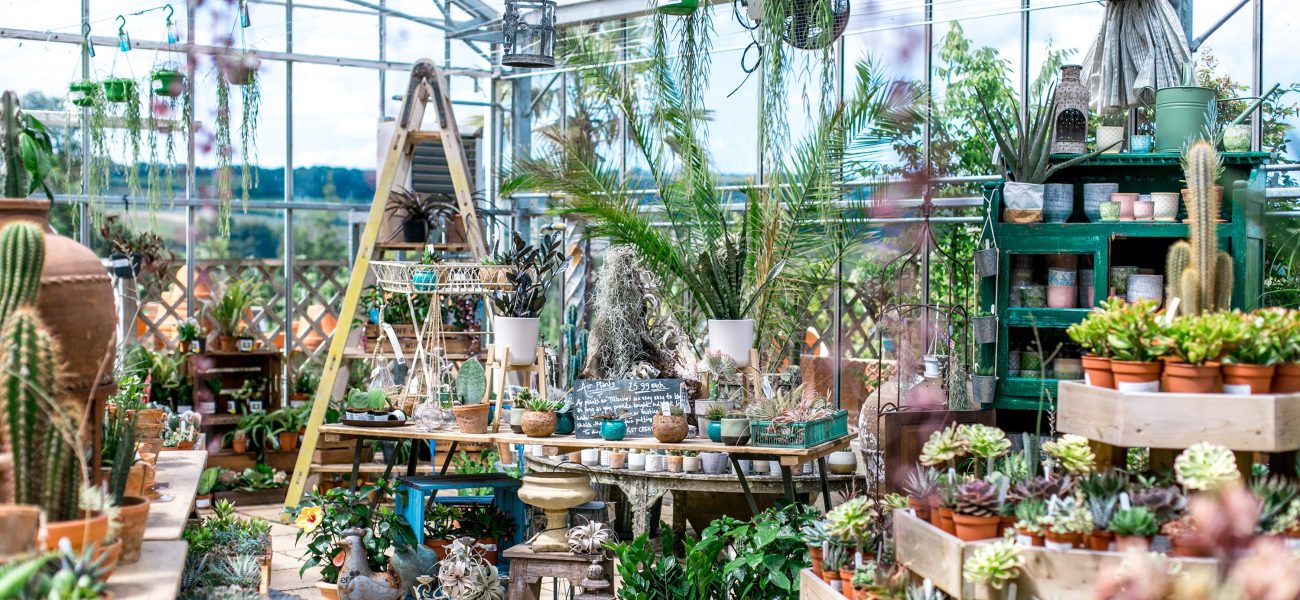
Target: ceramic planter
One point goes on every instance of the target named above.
(618, 460)
(564, 423)
(1139, 144)
(1093, 195)
(90, 529)
(774, 468)
(735, 432)
(1165, 205)
(1184, 378)
(1236, 138)
(1013, 360)
(983, 388)
(758, 466)
(555, 493)
(735, 338)
(669, 429)
(1059, 276)
(1136, 376)
(1099, 540)
(471, 418)
(1248, 379)
(537, 423)
(288, 440)
(985, 328)
(613, 430)
(1119, 278)
(842, 463)
(1109, 211)
(655, 463)
(517, 418)
(971, 528)
(1058, 202)
(591, 457)
(1024, 202)
(933, 364)
(715, 431)
(519, 335)
(606, 458)
(134, 516)
(1286, 378)
(1110, 139)
(1145, 287)
(1126, 201)
(1144, 210)
(1067, 368)
(203, 501)
(986, 262)
(713, 463)
(946, 522)
(674, 464)
(636, 462)
(1062, 296)
(690, 464)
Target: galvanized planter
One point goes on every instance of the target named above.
(986, 262)
(982, 388)
(985, 328)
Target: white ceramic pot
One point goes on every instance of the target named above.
(534, 449)
(759, 466)
(1166, 205)
(636, 462)
(735, 338)
(520, 335)
(606, 458)
(774, 468)
(745, 464)
(690, 464)
(655, 463)
(590, 457)
(933, 366)
(1023, 196)
(842, 463)
(1108, 135)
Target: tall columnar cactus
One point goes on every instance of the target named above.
(22, 256)
(15, 175)
(1200, 274)
(41, 436)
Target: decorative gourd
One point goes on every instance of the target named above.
(1200, 274)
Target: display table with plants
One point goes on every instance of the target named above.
(157, 574)
(178, 474)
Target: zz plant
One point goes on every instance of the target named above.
(533, 267)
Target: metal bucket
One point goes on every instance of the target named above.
(1182, 113)
(986, 329)
(986, 262)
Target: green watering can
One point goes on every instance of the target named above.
(1186, 112)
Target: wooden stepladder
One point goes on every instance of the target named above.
(427, 86)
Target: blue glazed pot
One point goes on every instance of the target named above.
(715, 431)
(424, 280)
(1058, 202)
(613, 430)
(373, 313)
(1093, 195)
(564, 423)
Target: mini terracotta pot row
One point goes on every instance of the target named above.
(1171, 375)
(967, 528)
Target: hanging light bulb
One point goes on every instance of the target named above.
(172, 38)
(243, 14)
(123, 39)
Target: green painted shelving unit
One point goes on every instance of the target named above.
(1120, 243)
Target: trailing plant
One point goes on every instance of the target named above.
(1255, 341)
(532, 269)
(1137, 333)
(994, 564)
(1206, 467)
(1072, 453)
(630, 337)
(1137, 521)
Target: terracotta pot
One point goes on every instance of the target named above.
(1073, 539)
(1006, 523)
(1036, 539)
(1136, 376)
(489, 555)
(185, 445)
(21, 524)
(1096, 370)
(1125, 543)
(970, 528)
(674, 464)
(921, 506)
(538, 423)
(618, 460)
(1100, 540)
(227, 343)
(815, 554)
(328, 591)
(76, 304)
(1248, 379)
(669, 429)
(1186, 545)
(134, 515)
(846, 580)
(205, 500)
(934, 512)
(829, 576)
(1286, 379)
(946, 522)
(288, 440)
(109, 556)
(1183, 378)
(239, 445)
(439, 547)
(91, 529)
(472, 418)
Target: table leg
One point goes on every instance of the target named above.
(413, 461)
(826, 486)
(787, 482)
(446, 462)
(356, 462)
(679, 520)
(744, 485)
(392, 458)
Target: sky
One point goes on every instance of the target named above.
(336, 109)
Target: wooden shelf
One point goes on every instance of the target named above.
(369, 467)
(1053, 318)
(811, 587)
(156, 575)
(1254, 423)
(358, 353)
(419, 246)
(180, 470)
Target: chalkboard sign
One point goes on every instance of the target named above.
(640, 398)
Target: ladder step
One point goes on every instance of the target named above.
(419, 137)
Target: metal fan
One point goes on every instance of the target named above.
(809, 25)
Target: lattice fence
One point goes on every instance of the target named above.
(316, 292)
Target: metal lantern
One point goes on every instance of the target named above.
(528, 33)
(1071, 118)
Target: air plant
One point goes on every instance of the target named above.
(922, 482)
(590, 538)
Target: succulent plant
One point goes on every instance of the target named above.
(1256, 341)
(1067, 515)
(893, 502)
(1276, 495)
(1101, 492)
(1072, 453)
(1137, 333)
(814, 533)
(978, 499)
(922, 482)
(22, 244)
(1091, 333)
(1135, 521)
(994, 564)
(1166, 502)
(944, 446)
(1201, 338)
(471, 382)
(851, 521)
(1198, 272)
(1206, 467)
(1285, 521)
(983, 441)
(1042, 487)
(1029, 515)
(865, 576)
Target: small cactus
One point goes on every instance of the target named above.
(1204, 281)
(22, 252)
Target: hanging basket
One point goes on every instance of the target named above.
(809, 26)
(118, 89)
(677, 7)
(239, 68)
(985, 328)
(82, 93)
(168, 82)
(443, 278)
(986, 262)
(983, 388)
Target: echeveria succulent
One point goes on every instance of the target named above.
(1072, 453)
(943, 446)
(1206, 467)
(994, 564)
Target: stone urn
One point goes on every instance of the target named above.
(555, 493)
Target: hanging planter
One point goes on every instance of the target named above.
(528, 33)
(239, 68)
(82, 93)
(678, 8)
(119, 89)
(982, 388)
(809, 26)
(985, 328)
(986, 262)
(167, 82)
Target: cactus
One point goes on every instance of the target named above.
(42, 438)
(22, 254)
(471, 383)
(1197, 271)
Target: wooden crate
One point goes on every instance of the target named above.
(811, 587)
(1255, 423)
(930, 552)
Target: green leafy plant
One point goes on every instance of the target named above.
(1276, 496)
(485, 522)
(1255, 340)
(1136, 521)
(532, 269)
(208, 480)
(984, 443)
(227, 311)
(440, 521)
(1025, 141)
(1093, 332)
(1206, 467)
(1137, 333)
(323, 517)
(1202, 338)
(471, 382)
(26, 151)
(994, 564)
(1072, 453)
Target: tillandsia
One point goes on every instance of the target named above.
(629, 332)
(921, 482)
(994, 564)
(1206, 467)
(1072, 453)
(943, 447)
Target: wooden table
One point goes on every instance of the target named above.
(180, 471)
(787, 457)
(156, 576)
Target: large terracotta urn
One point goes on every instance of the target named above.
(75, 302)
(555, 493)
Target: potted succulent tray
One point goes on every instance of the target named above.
(933, 554)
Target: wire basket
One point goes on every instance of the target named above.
(442, 278)
(803, 434)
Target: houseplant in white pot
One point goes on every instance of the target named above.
(1025, 146)
(532, 268)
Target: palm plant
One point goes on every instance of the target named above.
(763, 253)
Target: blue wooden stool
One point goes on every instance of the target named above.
(416, 492)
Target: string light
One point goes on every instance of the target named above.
(123, 39)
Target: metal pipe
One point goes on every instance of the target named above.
(383, 10)
(1196, 43)
(203, 202)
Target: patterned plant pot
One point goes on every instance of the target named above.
(1058, 202)
(1126, 201)
(1165, 205)
(1139, 144)
(1033, 296)
(1236, 138)
(1067, 368)
(1093, 195)
(1119, 278)
(1109, 211)
(1110, 140)
(1086, 299)
(986, 329)
(1145, 287)
(1013, 360)
(1059, 276)
(986, 262)
(1144, 210)
(1062, 296)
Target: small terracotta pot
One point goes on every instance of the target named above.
(674, 464)
(1097, 371)
(1100, 540)
(21, 524)
(815, 553)
(1125, 543)
(227, 343)
(538, 423)
(90, 529)
(1036, 538)
(239, 446)
(108, 556)
(1186, 545)
(1259, 378)
(1184, 378)
(946, 522)
(829, 575)
(472, 418)
(1073, 539)
(921, 506)
(618, 460)
(846, 579)
(288, 440)
(1006, 523)
(1133, 374)
(134, 517)
(970, 528)
(934, 512)
(1286, 379)
(439, 547)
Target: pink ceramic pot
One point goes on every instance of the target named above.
(1062, 296)
(1126, 201)
(1144, 210)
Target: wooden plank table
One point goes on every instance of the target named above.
(787, 457)
(180, 471)
(156, 576)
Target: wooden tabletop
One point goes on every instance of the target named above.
(180, 471)
(787, 456)
(156, 576)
